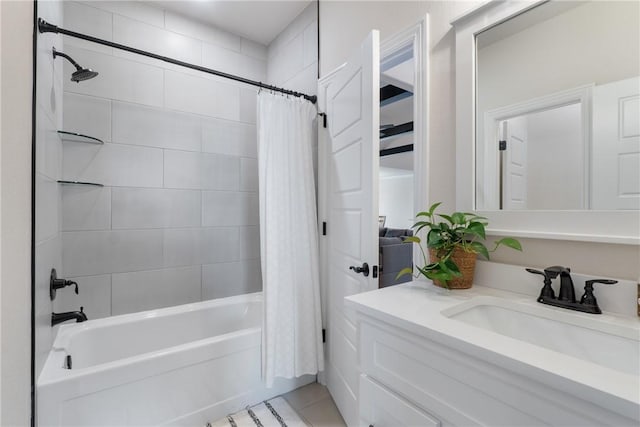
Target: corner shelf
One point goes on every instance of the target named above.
(78, 137)
(92, 184)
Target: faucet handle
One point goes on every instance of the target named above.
(534, 271)
(589, 283)
(588, 298)
(547, 291)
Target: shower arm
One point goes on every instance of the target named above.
(67, 57)
(45, 27)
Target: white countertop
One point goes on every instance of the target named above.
(418, 306)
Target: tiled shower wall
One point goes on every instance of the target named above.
(177, 218)
(48, 170)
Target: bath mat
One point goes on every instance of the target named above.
(273, 413)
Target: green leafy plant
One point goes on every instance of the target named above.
(462, 230)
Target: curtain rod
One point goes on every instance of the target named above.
(45, 27)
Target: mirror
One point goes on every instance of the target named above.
(557, 117)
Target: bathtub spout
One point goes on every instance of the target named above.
(63, 317)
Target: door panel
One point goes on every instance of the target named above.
(616, 145)
(515, 176)
(352, 159)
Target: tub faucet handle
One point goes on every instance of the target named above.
(56, 283)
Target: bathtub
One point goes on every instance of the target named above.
(182, 365)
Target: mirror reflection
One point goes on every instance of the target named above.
(558, 109)
(396, 205)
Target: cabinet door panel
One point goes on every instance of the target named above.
(379, 407)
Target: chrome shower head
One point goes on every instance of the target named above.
(81, 73)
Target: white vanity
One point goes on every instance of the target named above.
(486, 356)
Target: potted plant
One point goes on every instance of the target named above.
(453, 242)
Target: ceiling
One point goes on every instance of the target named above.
(260, 21)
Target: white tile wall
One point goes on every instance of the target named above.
(249, 242)
(87, 253)
(248, 108)
(184, 169)
(251, 48)
(87, 115)
(222, 208)
(94, 295)
(155, 208)
(120, 79)
(293, 55)
(155, 127)
(138, 10)
(84, 18)
(48, 256)
(113, 164)
(200, 95)
(48, 165)
(48, 146)
(221, 244)
(147, 290)
(230, 278)
(233, 62)
(229, 137)
(197, 30)
(48, 212)
(86, 208)
(249, 174)
(155, 40)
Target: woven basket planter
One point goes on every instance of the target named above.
(466, 262)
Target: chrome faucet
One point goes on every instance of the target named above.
(63, 317)
(567, 295)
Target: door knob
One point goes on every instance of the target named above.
(364, 269)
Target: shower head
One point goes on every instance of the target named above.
(81, 73)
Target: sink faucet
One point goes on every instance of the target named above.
(567, 295)
(567, 291)
(63, 317)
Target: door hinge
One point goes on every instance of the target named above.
(375, 272)
(324, 228)
(324, 335)
(324, 119)
(502, 145)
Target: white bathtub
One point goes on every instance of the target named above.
(183, 365)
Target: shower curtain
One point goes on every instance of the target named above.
(292, 328)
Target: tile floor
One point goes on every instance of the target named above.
(314, 404)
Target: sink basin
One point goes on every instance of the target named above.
(587, 337)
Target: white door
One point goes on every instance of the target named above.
(514, 177)
(616, 145)
(351, 196)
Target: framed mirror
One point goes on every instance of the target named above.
(548, 118)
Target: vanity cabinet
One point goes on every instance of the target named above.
(412, 380)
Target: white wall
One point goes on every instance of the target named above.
(343, 25)
(396, 200)
(177, 220)
(15, 175)
(555, 159)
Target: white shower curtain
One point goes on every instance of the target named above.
(292, 328)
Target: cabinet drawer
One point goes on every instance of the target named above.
(380, 407)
